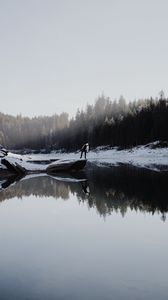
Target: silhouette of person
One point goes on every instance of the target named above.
(84, 150)
(85, 188)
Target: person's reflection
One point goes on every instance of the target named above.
(85, 187)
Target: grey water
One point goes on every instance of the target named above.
(105, 237)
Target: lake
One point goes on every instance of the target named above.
(97, 234)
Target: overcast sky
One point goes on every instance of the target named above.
(58, 55)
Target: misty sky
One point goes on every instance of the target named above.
(57, 55)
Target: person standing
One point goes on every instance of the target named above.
(84, 150)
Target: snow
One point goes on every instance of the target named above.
(155, 159)
(36, 167)
(141, 156)
(26, 165)
(57, 178)
(146, 156)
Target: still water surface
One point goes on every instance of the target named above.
(104, 238)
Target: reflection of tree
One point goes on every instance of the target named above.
(107, 189)
(62, 190)
(85, 187)
(42, 186)
(119, 188)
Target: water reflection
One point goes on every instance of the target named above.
(120, 188)
(107, 189)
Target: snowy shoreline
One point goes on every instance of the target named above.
(148, 156)
(141, 156)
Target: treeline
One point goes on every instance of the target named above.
(117, 123)
(114, 123)
(33, 133)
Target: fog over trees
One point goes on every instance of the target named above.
(107, 122)
(20, 132)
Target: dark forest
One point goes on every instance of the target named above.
(113, 123)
